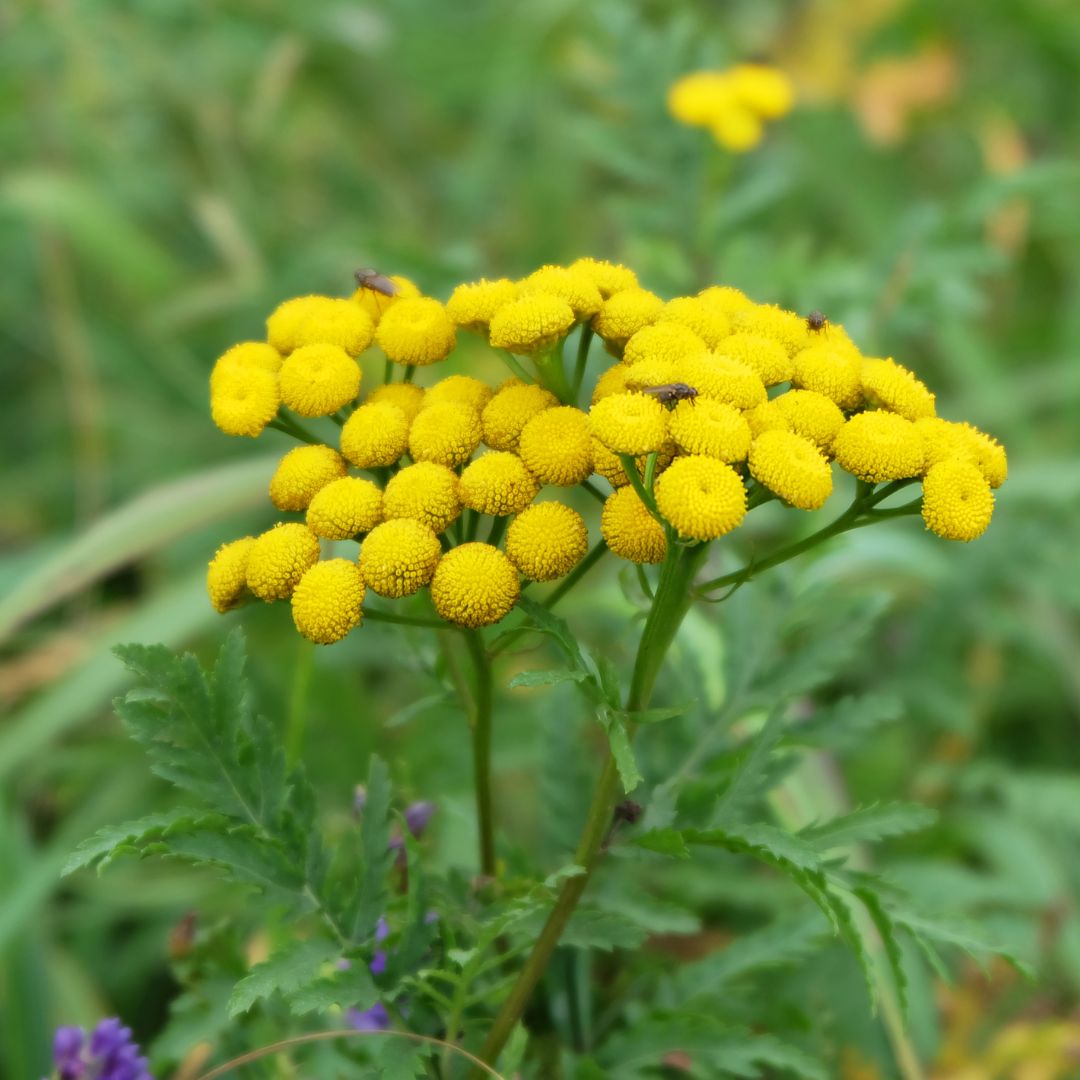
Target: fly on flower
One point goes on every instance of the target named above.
(369, 278)
(817, 321)
(670, 394)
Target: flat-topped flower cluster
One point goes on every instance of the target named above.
(709, 405)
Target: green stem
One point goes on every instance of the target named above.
(388, 371)
(291, 427)
(481, 739)
(407, 620)
(596, 553)
(584, 341)
(644, 493)
(549, 366)
(498, 527)
(594, 491)
(298, 694)
(410, 371)
(514, 365)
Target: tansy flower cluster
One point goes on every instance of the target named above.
(734, 104)
(699, 409)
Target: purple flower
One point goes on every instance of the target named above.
(378, 961)
(417, 816)
(110, 1054)
(374, 1019)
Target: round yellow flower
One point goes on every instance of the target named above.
(531, 324)
(376, 303)
(648, 374)
(711, 429)
(879, 446)
(812, 415)
(284, 321)
(737, 129)
(226, 576)
(475, 585)
(629, 423)
(472, 305)
(279, 558)
(888, 385)
(510, 410)
(345, 508)
(702, 497)
(398, 557)
(608, 277)
(446, 433)
(987, 453)
(625, 313)
(328, 601)
(416, 331)
(725, 298)
(608, 465)
(323, 320)
(766, 417)
(791, 467)
(957, 501)
(706, 320)
(833, 372)
(574, 286)
(408, 397)
(426, 492)
(243, 357)
(317, 380)
(724, 379)
(765, 90)
(302, 473)
(768, 320)
(629, 530)
(942, 439)
(498, 484)
(547, 541)
(462, 389)
(670, 341)
(556, 447)
(695, 99)
(766, 356)
(376, 434)
(611, 381)
(244, 401)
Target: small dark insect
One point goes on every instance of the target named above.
(368, 278)
(816, 321)
(670, 394)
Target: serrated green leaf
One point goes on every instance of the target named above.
(114, 840)
(247, 857)
(375, 847)
(589, 928)
(401, 1059)
(886, 929)
(549, 677)
(847, 723)
(290, 968)
(658, 716)
(750, 779)
(870, 823)
(352, 988)
(663, 842)
(622, 751)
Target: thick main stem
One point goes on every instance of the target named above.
(481, 740)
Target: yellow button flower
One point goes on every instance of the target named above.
(611, 381)
(302, 473)
(323, 320)
(608, 465)
(416, 331)
(345, 508)
(669, 341)
(812, 415)
(942, 439)
(879, 446)
(556, 447)
(649, 374)
(226, 576)
(625, 313)
(472, 305)
(791, 467)
(726, 380)
(531, 324)
(766, 356)
(891, 386)
(706, 320)
(462, 389)
(547, 541)
(574, 286)
(242, 357)
(279, 558)
(702, 497)
(408, 397)
(475, 585)
(766, 417)
(244, 401)
(328, 601)
(376, 434)
(711, 429)
(425, 492)
(765, 90)
(694, 99)
(498, 484)
(737, 129)
(284, 321)
(376, 303)
(987, 453)
(507, 413)
(725, 298)
(446, 433)
(771, 321)
(398, 557)
(630, 423)
(836, 373)
(317, 380)
(630, 530)
(957, 501)
(610, 278)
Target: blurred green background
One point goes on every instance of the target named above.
(169, 172)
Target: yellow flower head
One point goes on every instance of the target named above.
(836, 373)
(695, 99)
(328, 601)
(725, 298)
(737, 129)
(376, 434)
(279, 558)
(243, 357)
(462, 389)
(957, 501)
(710, 429)
(556, 447)
(472, 306)
(574, 286)
(284, 321)
(317, 380)
(416, 330)
(510, 410)
(475, 585)
(398, 557)
(302, 473)
(498, 484)
(408, 397)
(625, 313)
(608, 465)
(375, 303)
(791, 467)
(345, 508)
(531, 324)
(702, 497)
(321, 320)
(610, 278)
(987, 453)
(244, 400)
(611, 381)
(784, 327)
(942, 439)
(888, 385)
(766, 356)
(766, 417)
(547, 541)
(765, 90)
(812, 415)
(724, 379)
(226, 576)
(706, 320)
(630, 423)
(647, 374)
(425, 492)
(629, 530)
(879, 446)
(446, 433)
(670, 341)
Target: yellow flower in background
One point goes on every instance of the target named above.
(702, 497)
(792, 468)
(475, 585)
(473, 305)
(416, 331)
(547, 541)
(724, 379)
(576, 287)
(323, 320)
(957, 500)
(625, 313)
(707, 321)
(244, 400)
(375, 303)
(889, 386)
(770, 320)
(767, 357)
(397, 558)
(279, 558)
(245, 356)
(812, 415)
(226, 576)
(345, 508)
(725, 298)
(328, 601)
(507, 413)
(406, 396)
(833, 372)
(376, 435)
(317, 380)
(879, 446)
(302, 473)
(498, 484)
(664, 340)
(531, 324)
(426, 492)
(610, 278)
(630, 530)
(737, 129)
(463, 389)
(765, 90)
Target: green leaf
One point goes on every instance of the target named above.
(750, 779)
(592, 929)
(546, 678)
(869, 823)
(352, 988)
(622, 751)
(401, 1059)
(375, 846)
(847, 723)
(658, 716)
(290, 968)
(886, 929)
(111, 841)
(664, 842)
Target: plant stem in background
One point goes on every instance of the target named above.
(298, 703)
(584, 341)
(552, 372)
(480, 722)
